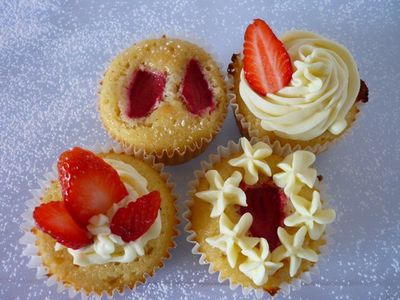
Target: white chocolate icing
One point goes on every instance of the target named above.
(252, 160)
(297, 172)
(323, 88)
(293, 248)
(258, 265)
(232, 238)
(223, 193)
(310, 214)
(108, 247)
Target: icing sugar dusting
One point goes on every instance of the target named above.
(53, 55)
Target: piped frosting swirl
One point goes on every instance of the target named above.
(323, 88)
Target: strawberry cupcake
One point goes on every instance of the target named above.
(257, 216)
(301, 90)
(102, 224)
(159, 89)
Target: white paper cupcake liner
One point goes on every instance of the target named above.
(28, 239)
(179, 156)
(254, 132)
(285, 288)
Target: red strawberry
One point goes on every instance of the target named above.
(266, 203)
(132, 221)
(54, 219)
(195, 92)
(266, 63)
(145, 90)
(89, 185)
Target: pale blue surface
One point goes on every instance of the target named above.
(52, 56)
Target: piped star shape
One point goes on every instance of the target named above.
(297, 172)
(258, 265)
(292, 247)
(252, 160)
(310, 214)
(223, 193)
(232, 238)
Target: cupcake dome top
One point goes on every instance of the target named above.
(264, 214)
(161, 88)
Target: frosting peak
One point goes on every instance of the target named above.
(258, 265)
(297, 172)
(293, 248)
(310, 214)
(252, 160)
(223, 193)
(232, 238)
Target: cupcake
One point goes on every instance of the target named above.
(165, 96)
(257, 216)
(302, 90)
(103, 224)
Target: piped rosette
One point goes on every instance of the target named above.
(300, 89)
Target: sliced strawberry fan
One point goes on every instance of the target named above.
(89, 187)
(267, 66)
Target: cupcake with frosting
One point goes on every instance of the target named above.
(302, 90)
(165, 96)
(257, 216)
(102, 224)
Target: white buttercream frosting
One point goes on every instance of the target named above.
(108, 247)
(222, 193)
(252, 160)
(310, 214)
(258, 265)
(324, 86)
(293, 247)
(233, 237)
(296, 172)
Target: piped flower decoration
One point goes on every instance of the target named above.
(297, 172)
(258, 265)
(252, 253)
(232, 238)
(223, 193)
(293, 248)
(252, 160)
(310, 214)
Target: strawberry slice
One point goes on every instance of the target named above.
(266, 63)
(196, 93)
(266, 202)
(89, 185)
(144, 92)
(132, 221)
(54, 219)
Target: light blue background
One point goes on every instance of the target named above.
(53, 54)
